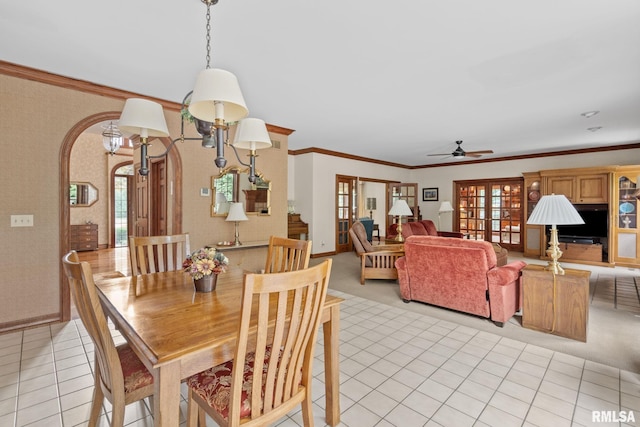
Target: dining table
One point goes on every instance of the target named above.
(177, 332)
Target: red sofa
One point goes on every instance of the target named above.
(424, 227)
(461, 275)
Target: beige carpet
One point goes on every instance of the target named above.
(614, 314)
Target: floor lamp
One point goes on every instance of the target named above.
(400, 208)
(553, 210)
(236, 214)
(445, 207)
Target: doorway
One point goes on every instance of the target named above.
(122, 185)
(490, 210)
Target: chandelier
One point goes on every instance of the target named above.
(215, 103)
(111, 138)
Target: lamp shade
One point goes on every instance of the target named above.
(251, 134)
(143, 117)
(445, 207)
(217, 95)
(111, 138)
(400, 208)
(554, 209)
(371, 203)
(236, 212)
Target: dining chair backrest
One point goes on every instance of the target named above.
(287, 254)
(85, 298)
(155, 254)
(288, 333)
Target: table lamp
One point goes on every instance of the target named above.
(236, 213)
(554, 209)
(371, 205)
(445, 207)
(400, 208)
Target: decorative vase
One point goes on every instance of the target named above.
(206, 283)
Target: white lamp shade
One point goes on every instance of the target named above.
(251, 134)
(445, 207)
(554, 209)
(216, 86)
(400, 207)
(236, 212)
(143, 117)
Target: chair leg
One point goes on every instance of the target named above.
(307, 410)
(98, 400)
(192, 410)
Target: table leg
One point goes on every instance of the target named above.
(166, 401)
(331, 331)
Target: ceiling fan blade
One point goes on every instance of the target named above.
(478, 153)
(441, 154)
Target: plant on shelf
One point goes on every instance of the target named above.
(205, 262)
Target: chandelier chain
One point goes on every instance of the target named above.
(208, 34)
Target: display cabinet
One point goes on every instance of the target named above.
(533, 234)
(625, 216)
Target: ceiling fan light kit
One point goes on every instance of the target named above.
(459, 152)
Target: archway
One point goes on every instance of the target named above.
(65, 157)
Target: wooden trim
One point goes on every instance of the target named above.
(630, 146)
(31, 322)
(320, 255)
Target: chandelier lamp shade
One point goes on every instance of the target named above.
(215, 103)
(554, 210)
(111, 138)
(400, 208)
(236, 214)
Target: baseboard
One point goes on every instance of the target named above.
(30, 323)
(323, 254)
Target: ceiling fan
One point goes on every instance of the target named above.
(459, 152)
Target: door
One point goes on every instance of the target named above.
(122, 197)
(346, 210)
(490, 210)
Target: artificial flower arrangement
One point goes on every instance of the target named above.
(204, 262)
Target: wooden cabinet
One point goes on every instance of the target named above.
(556, 304)
(84, 237)
(580, 188)
(626, 230)
(296, 228)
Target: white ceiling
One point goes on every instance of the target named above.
(392, 80)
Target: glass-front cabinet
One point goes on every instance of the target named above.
(625, 218)
(533, 234)
(491, 211)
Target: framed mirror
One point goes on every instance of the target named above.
(232, 185)
(82, 194)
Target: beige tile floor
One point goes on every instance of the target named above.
(398, 368)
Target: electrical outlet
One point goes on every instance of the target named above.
(22, 220)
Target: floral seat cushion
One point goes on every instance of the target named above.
(135, 374)
(214, 385)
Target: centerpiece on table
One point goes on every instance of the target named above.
(204, 265)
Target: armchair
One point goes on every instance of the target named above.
(376, 262)
(423, 227)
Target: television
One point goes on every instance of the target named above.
(596, 224)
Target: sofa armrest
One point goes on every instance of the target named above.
(505, 290)
(450, 234)
(403, 279)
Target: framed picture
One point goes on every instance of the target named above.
(429, 194)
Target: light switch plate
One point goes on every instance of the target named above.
(22, 220)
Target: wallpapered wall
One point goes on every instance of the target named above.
(32, 136)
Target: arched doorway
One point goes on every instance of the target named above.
(65, 157)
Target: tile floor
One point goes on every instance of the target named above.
(398, 368)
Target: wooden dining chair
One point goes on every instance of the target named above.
(287, 254)
(119, 375)
(280, 332)
(155, 254)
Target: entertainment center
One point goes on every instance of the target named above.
(605, 197)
